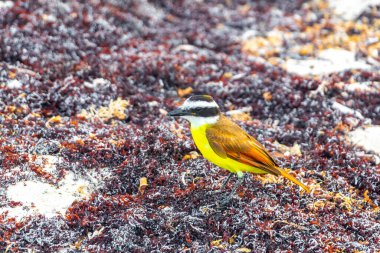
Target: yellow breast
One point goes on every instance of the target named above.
(200, 139)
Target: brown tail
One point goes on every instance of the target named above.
(293, 179)
(275, 170)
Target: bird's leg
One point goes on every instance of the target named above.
(225, 182)
(240, 180)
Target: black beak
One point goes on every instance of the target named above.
(178, 112)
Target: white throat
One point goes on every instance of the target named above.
(197, 122)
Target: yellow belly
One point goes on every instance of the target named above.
(199, 136)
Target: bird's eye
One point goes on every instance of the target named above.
(205, 111)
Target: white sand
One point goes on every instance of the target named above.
(328, 61)
(43, 198)
(38, 197)
(368, 138)
(351, 9)
(14, 84)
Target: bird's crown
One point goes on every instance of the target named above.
(197, 106)
(200, 101)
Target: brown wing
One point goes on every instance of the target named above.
(227, 139)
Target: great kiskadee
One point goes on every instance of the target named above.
(224, 143)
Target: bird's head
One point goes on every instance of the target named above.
(199, 110)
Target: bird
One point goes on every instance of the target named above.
(226, 144)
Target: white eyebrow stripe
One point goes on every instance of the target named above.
(200, 104)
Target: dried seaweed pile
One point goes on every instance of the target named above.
(84, 92)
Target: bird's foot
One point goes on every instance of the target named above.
(225, 200)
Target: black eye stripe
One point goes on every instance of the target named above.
(204, 111)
